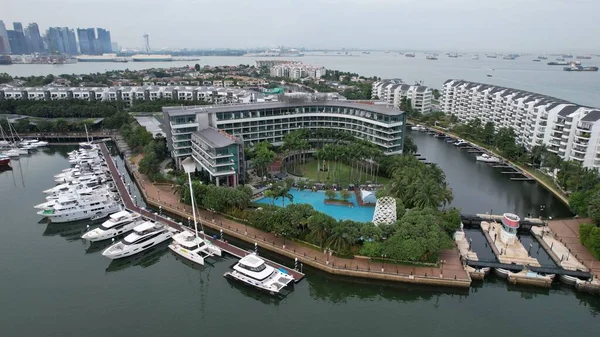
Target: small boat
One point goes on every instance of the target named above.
(570, 280)
(144, 236)
(118, 223)
(536, 60)
(461, 142)
(4, 160)
(489, 75)
(449, 139)
(418, 127)
(486, 158)
(251, 270)
(439, 135)
(503, 273)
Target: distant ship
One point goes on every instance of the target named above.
(277, 53)
(152, 58)
(575, 66)
(409, 54)
(431, 57)
(100, 58)
(5, 60)
(558, 63)
(453, 55)
(491, 56)
(583, 57)
(541, 57)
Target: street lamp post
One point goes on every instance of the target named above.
(442, 268)
(383, 256)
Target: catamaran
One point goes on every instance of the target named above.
(251, 270)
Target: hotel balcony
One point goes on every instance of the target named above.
(184, 125)
(584, 127)
(577, 157)
(579, 149)
(553, 149)
(557, 136)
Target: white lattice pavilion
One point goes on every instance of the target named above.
(385, 211)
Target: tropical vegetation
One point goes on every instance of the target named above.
(589, 236)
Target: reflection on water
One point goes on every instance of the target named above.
(69, 230)
(254, 294)
(144, 259)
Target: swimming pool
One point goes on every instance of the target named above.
(317, 201)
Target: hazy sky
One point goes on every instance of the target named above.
(460, 25)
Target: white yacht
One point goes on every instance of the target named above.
(53, 199)
(34, 142)
(418, 127)
(67, 187)
(192, 247)
(253, 271)
(117, 224)
(67, 209)
(461, 142)
(486, 158)
(144, 236)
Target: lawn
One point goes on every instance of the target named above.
(309, 171)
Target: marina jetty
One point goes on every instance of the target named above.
(516, 261)
(450, 272)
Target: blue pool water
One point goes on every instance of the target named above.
(317, 201)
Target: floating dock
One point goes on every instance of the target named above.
(224, 245)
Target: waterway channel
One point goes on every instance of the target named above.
(480, 188)
(55, 284)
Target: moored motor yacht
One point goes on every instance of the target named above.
(486, 158)
(67, 209)
(418, 127)
(118, 223)
(251, 270)
(144, 236)
(193, 247)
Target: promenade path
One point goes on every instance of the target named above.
(567, 231)
(449, 273)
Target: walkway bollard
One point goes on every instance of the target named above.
(160, 210)
(221, 231)
(296, 264)
(135, 199)
(256, 248)
(301, 265)
(189, 222)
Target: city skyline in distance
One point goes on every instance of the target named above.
(462, 25)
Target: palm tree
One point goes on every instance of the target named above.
(340, 238)
(284, 193)
(320, 226)
(428, 195)
(270, 194)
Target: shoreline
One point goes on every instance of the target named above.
(548, 187)
(359, 268)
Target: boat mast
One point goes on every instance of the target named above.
(193, 206)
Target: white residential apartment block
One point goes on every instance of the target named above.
(392, 91)
(212, 94)
(570, 130)
(297, 70)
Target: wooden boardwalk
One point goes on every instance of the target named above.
(224, 245)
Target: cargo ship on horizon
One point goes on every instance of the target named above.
(101, 58)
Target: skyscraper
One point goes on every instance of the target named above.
(72, 42)
(58, 40)
(4, 43)
(36, 43)
(87, 41)
(17, 40)
(104, 40)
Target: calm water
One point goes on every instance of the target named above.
(520, 74)
(54, 284)
(317, 201)
(479, 188)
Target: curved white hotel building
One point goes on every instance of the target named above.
(253, 123)
(570, 130)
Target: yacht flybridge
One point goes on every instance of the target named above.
(251, 270)
(118, 223)
(144, 236)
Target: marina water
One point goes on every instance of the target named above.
(55, 284)
(521, 73)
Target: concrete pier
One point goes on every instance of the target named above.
(509, 253)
